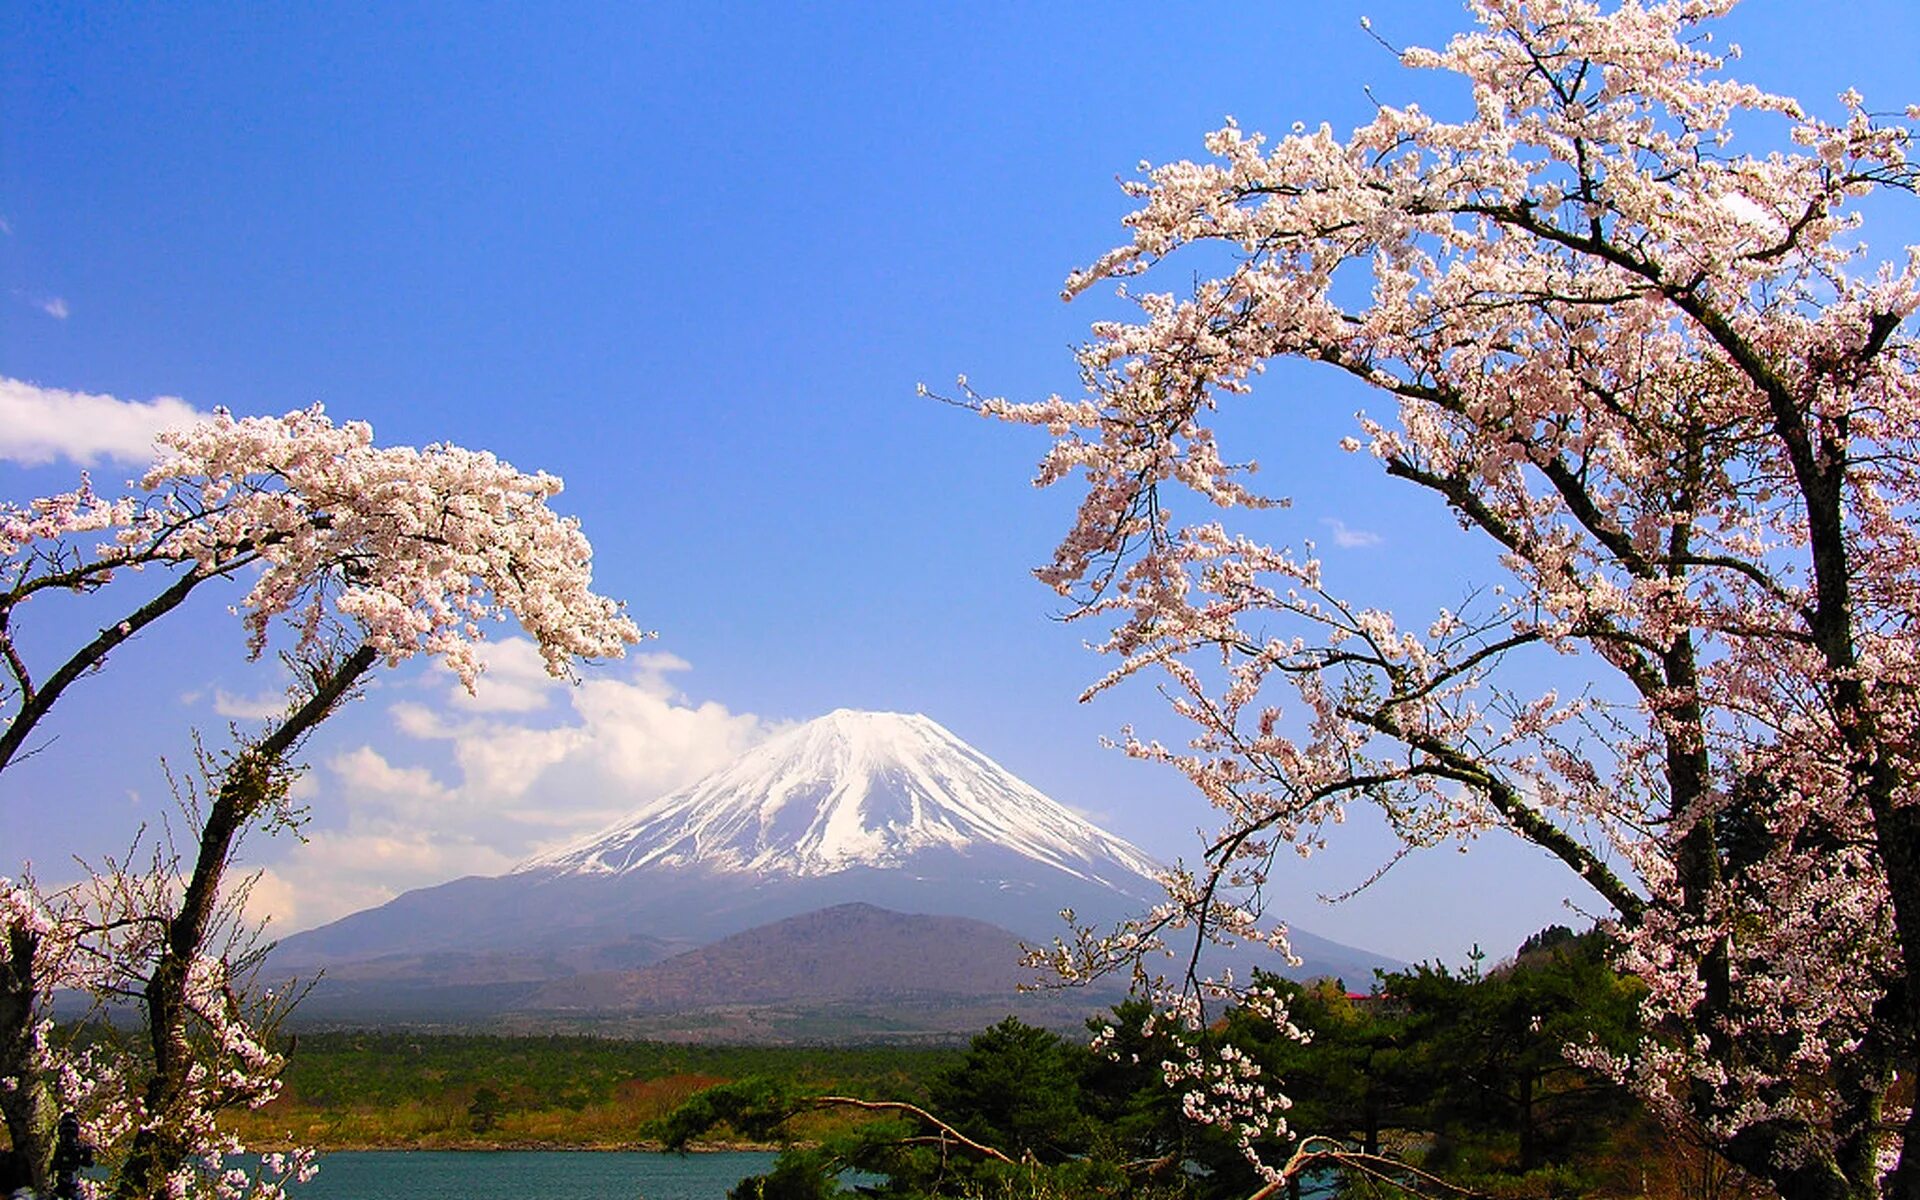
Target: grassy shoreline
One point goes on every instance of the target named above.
(388, 1090)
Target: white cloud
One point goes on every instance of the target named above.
(499, 762)
(38, 425)
(514, 781)
(400, 832)
(245, 708)
(515, 679)
(1348, 537)
(333, 874)
(273, 898)
(270, 702)
(635, 736)
(1761, 221)
(373, 782)
(54, 307)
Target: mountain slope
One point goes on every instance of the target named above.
(848, 952)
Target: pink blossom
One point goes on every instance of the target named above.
(1654, 372)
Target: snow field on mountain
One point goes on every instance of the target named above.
(851, 789)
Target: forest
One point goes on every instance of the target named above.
(1432, 1073)
(1434, 1081)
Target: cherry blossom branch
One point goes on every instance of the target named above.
(35, 704)
(1534, 827)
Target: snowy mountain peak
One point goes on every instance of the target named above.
(852, 789)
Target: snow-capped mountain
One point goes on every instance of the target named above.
(845, 813)
(854, 807)
(853, 789)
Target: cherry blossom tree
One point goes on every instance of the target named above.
(1658, 371)
(362, 555)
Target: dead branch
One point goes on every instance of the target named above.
(916, 1111)
(1378, 1166)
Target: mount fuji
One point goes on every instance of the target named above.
(844, 814)
(855, 790)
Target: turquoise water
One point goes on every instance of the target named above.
(545, 1175)
(527, 1175)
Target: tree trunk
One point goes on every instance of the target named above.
(1797, 1161)
(29, 1105)
(1897, 834)
(162, 1146)
(1876, 767)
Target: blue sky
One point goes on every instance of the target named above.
(694, 259)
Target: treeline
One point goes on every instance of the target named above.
(346, 1090)
(1460, 1074)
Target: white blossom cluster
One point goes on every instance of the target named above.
(422, 545)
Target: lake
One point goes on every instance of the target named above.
(545, 1175)
(527, 1175)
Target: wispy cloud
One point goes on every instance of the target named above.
(41, 424)
(1346, 536)
(248, 708)
(54, 307)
